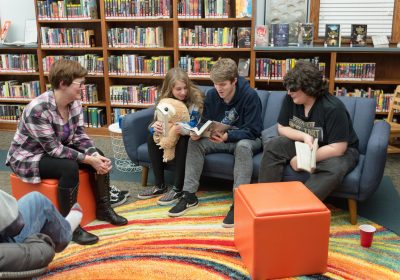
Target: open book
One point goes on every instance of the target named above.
(306, 158)
(207, 129)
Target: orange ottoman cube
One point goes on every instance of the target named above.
(48, 187)
(281, 230)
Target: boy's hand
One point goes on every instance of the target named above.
(218, 137)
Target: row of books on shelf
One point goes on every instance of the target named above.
(355, 71)
(150, 37)
(117, 112)
(116, 9)
(197, 66)
(67, 9)
(277, 35)
(382, 99)
(67, 37)
(94, 116)
(276, 69)
(92, 62)
(216, 37)
(133, 94)
(213, 9)
(18, 62)
(133, 64)
(89, 94)
(14, 89)
(11, 112)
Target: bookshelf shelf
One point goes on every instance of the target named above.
(375, 82)
(96, 104)
(67, 21)
(211, 49)
(234, 20)
(13, 73)
(140, 49)
(136, 106)
(141, 20)
(14, 100)
(136, 77)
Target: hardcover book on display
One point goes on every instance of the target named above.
(358, 35)
(243, 67)
(261, 36)
(243, 37)
(280, 34)
(4, 30)
(380, 41)
(332, 35)
(243, 8)
(306, 34)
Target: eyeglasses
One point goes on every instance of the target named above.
(80, 84)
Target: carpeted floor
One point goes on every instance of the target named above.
(154, 246)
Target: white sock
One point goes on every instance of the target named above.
(74, 216)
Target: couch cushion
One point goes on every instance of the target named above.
(362, 113)
(273, 107)
(143, 155)
(219, 165)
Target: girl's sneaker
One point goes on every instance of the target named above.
(170, 197)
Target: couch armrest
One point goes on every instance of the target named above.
(375, 158)
(135, 130)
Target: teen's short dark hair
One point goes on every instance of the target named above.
(65, 70)
(307, 77)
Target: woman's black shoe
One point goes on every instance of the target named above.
(82, 237)
(106, 213)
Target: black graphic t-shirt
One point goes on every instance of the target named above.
(328, 120)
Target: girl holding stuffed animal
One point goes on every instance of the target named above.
(176, 85)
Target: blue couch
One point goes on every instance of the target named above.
(358, 185)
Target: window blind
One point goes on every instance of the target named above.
(377, 14)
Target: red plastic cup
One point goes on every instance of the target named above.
(366, 235)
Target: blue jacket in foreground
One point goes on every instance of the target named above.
(243, 112)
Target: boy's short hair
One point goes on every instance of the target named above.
(224, 69)
(65, 70)
(307, 77)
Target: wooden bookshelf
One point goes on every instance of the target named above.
(387, 75)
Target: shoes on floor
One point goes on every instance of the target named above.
(117, 199)
(152, 192)
(228, 221)
(170, 197)
(187, 202)
(114, 189)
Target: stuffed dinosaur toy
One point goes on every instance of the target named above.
(169, 111)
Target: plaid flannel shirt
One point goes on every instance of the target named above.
(40, 131)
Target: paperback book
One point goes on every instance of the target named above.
(243, 8)
(163, 116)
(243, 37)
(207, 129)
(4, 30)
(358, 35)
(306, 157)
(280, 35)
(380, 41)
(261, 36)
(306, 34)
(243, 67)
(332, 35)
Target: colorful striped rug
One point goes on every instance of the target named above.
(154, 246)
